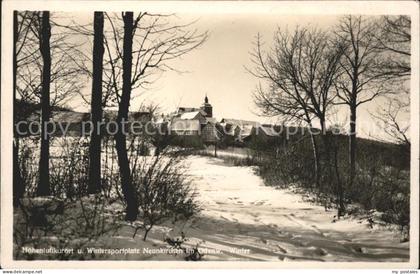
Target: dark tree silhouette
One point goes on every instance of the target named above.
(48, 71)
(68, 70)
(300, 71)
(361, 82)
(44, 166)
(18, 187)
(148, 42)
(120, 138)
(96, 104)
(394, 42)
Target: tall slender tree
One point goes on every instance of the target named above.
(68, 71)
(124, 104)
(96, 104)
(361, 82)
(135, 57)
(18, 187)
(394, 42)
(300, 70)
(44, 166)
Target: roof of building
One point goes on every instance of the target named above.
(74, 117)
(190, 115)
(111, 115)
(70, 117)
(211, 120)
(246, 130)
(185, 125)
(63, 116)
(269, 130)
(239, 122)
(228, 129)
(187, 109)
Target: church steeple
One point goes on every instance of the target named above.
(207, 107)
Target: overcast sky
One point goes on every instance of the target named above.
(217, 68)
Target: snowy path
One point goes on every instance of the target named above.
(242, 219)
(240, 212)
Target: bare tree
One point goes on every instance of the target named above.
(148, 41)
(96, 104)
(67, 70)
(394, 41)
(25, 51)
(120, 138)
(39, 52)
(390, 117)
(45, 34)
(18, 187)
(361, 82)
(300, 69)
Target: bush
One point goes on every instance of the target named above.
(69, 163)
(162, 191)
(49, 222)
(69, 168)
(28, 164)
(380, 185)
(288, 165)
(384, 188)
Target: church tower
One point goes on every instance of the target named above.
(207, 107)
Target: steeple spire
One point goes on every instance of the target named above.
(207, 108)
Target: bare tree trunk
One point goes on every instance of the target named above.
(316, 159)
(96, 105)
(45, 34)
(146, 232)
(120, 139)
(352, 144)
(18, 187)
(332, 168)
(340, 189)
(315, 151)
(327, 142)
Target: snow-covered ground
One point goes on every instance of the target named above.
(242, 219)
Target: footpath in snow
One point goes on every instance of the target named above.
(243, 219)
(240, 212)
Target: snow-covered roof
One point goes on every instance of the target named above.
(239, 122)
(228, 129)
(70, 117)
(187, 109)
(269, 131)
(111, 115)
(246, 130)
(190, 115)
(63, 116)
(211, 120)
(75, 117)
(185, 125)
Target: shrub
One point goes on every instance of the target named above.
(380, 184)
(28, 164)
(191, 254)
(288, 165)
(162, 190)
(48, 222)
(69, 168)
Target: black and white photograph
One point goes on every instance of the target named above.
(144, 133)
